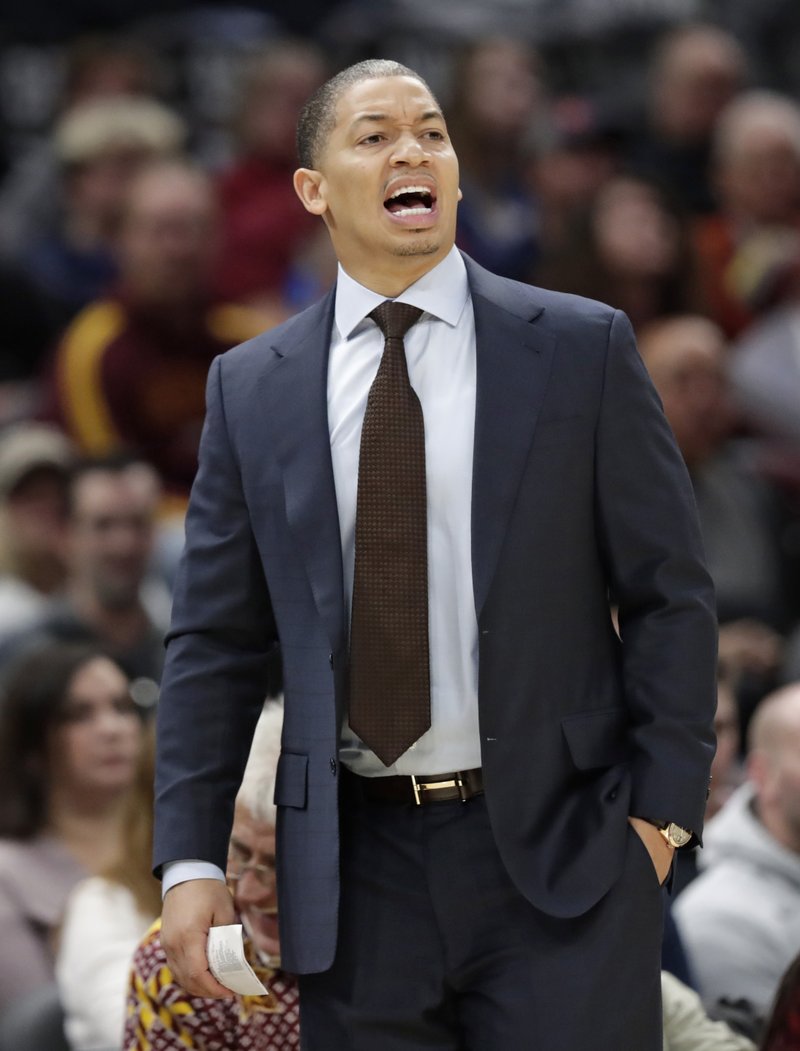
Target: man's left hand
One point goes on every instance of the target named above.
(661, 853)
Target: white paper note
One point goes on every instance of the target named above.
(226, 961)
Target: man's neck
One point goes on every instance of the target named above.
(391, 281)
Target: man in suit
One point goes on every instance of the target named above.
(492, 881)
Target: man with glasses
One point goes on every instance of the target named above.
(162, 1014)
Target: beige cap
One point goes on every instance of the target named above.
(28, 447)
(102, 126)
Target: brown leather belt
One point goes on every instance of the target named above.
(438, 788)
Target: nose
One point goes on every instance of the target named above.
(408, 150)
(113, 721)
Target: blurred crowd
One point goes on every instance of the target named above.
(646, 154)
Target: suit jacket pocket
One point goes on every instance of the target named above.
(597, 738)
(291, 780)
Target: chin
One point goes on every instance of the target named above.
(264, 933)
(421, 246)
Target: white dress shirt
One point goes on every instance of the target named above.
(440, 351)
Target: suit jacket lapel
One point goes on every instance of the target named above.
(514, 358)
(298, 406)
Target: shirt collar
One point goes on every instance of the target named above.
(442, 292)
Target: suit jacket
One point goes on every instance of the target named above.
(578, 490)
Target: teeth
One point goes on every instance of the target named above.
(413, 211)
(411, 189)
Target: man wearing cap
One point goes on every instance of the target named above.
(35, 461)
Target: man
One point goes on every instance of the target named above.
(130, 370)
(159, 1013)
(109, 596)
(739, 511)
(747, 250)
(35, 462)
(515, 906)
(696, 69)
(740, 919)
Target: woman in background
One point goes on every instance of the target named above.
(104, 919)
(70, 742)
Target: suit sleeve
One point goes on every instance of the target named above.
(217, 662)
(650, 539)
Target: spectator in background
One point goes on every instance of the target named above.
(104, 919)
(741, 513)
(747, 250)
(100, 66)
(35, 461)
(130, 372)
(695, 71)
(577, 154)
(496, 102)
(631, 250)
(95, 67)
(686, 357)
(70, 741)
(109, 597)
(740, 919)
(160, 1013)
(765, 372)
(264, 226)
(687, 1027)
(100, 145)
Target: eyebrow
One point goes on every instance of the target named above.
(379, 118)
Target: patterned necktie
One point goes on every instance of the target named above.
(389, 660)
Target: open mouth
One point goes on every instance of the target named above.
(410, 200)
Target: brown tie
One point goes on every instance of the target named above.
(389, 662)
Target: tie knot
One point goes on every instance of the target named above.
(394, 319)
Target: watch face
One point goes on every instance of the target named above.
(678, 836)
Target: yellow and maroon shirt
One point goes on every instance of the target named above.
(130, 380)
(163, 1017)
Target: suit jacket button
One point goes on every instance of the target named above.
(332, 765)
(330, 659)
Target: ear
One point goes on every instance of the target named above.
(460, 195)
(309, 187)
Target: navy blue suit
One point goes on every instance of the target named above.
(579, 494)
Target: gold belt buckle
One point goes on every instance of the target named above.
(420, 787)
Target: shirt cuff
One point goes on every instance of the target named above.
(175, 872)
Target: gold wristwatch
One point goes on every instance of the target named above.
(672, 833)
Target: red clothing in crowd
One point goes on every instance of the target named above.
(263, 226)
(125, 379)
(742, 275)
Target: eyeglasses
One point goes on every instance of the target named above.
(237, 866)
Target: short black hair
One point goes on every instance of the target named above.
(319, 113)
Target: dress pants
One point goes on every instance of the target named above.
(439, 951)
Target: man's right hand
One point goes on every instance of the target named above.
(189, 910)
